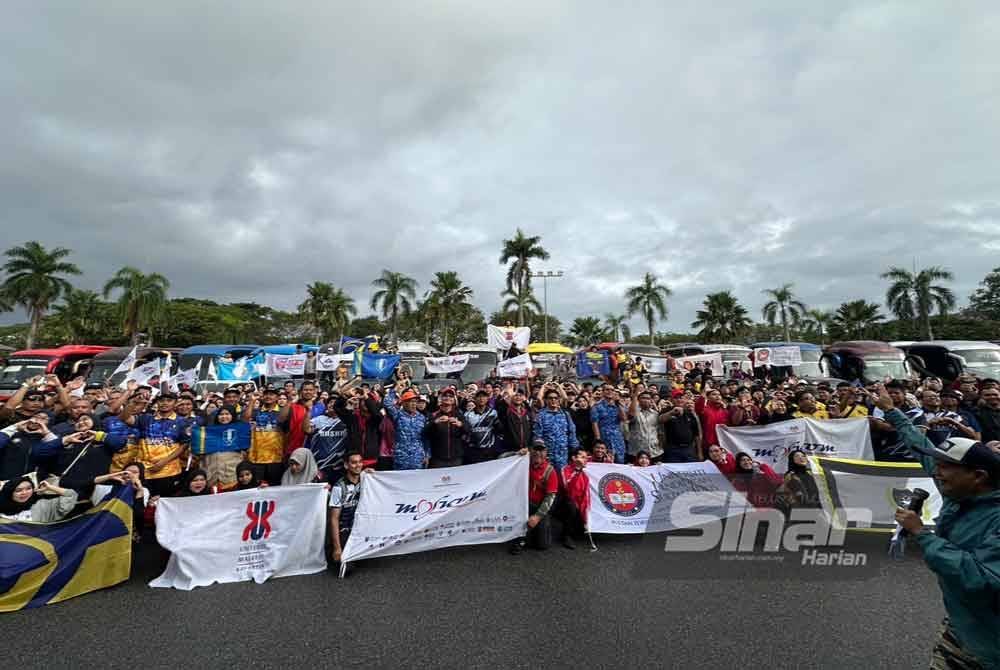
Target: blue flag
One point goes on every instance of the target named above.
(233, 436)
(374, 366)
(44, 563)
(592, 364)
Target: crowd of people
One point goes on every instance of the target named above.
(63, 445)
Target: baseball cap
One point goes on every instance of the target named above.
(963, 451)
(537, 444)
(34, 394)
(408, 394)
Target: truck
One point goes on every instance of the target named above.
(66, 362)
(867, 361)
(950, 359)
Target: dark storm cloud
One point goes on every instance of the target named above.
(246, 150)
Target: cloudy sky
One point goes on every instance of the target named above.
(244, 151)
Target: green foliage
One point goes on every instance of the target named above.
(34, 280)
(586, 330)
(915, 296)
(519, 250)
(783, 308)
(722, 319)
(648, 299)
(985, 300)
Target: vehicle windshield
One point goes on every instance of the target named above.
(19, 371)
(418, 368)
(886, 368)
(481, 364)
(100, 372)
(810, 366)
(982, 360)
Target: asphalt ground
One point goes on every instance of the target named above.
(624, 606)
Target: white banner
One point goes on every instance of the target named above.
(628, 499)
(519, 366)
(771, 444)
(280, 365)
(143, 374)
(687, 363)
(330, 362)
(504, 338)
(442, 365)
(186, 377)
(655, 365)
(876, 487)
(410, 511)
(777, 356)
(255, 534)
(126, 364)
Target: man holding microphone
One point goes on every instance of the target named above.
(964, 552)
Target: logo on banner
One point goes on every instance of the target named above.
(424, 507)
(621, 495)
(229, 437)
(259, 527)
(763, 356)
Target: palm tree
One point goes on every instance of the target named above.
(447, 300)
(722, 319)
(857, 318)
(783, 307)
(521, 249)
(396, 294)
(525, 304)
(649, 299)
(915, 295)
(78, 315)
(817, 321)
(141, 301)
(33, 280)
(327, 310)
(586, 330)
(615, 324)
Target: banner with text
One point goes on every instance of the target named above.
(504, 338)
(627, 499)
(777, 356)
(330, 362)
(519, 366)
(255, 534)
(442, 365)
(592, 364)
(282, 365)
(771, 444)
(712, 361)
(409, 511)
(656, 365)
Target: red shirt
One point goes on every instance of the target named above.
(712, 416)
(542, 480)
(296, 436)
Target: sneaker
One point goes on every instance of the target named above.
(516, 548)
(569, 543)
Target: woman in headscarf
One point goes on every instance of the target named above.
(246, 477)
(301, 468)
(20, 501)
(799, 488)
(722, 459)
(221, 466)
(196, 484)
(755, 480)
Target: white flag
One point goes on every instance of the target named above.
(279, 365)
(212, 374)
(143, 374)
(255, 534)
(127, 364)
(407, 511)
(186, 377)
(442, 365)
(519, 366)
(504, 338)
(165, 372)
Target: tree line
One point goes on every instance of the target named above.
(134, 306)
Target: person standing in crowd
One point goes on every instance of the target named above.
(301, 468)
(484, 426)
(847, 401)
(359, 410)
(808, 408)
(988, 414)
(951, 401)
(712, 412)
(942, 424)
(294, 415)
(964, 550)
(267, 439)
(543, 485)
(410, 445)
(579, 412)
(682, 441)
(86, 454)
(606, 416)
(886, 442)
(555, 428)
(344, 498)
(221, 465)
(758, 481)
(644, 424)
(447, 432)
(28, 445)
(515, 419)
(26, 402)
(20, 500)
(798, 490)
(327, 440)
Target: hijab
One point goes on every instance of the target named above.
(246, 466)
(232, 412)
(187, 484)
(741, 470)
(10, 507)
(793, 466)
(305, 458)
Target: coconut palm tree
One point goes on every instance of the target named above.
(616, 324)
(783, 308)
(586, 330)
(447, 301)
(857, 319)
(327, 310)
(914, 295)
(142, 299)
(520, 250)
(818, 322)
(396, 295)
(78, 316)
(649, 299)
(722, 318)
(525, 305)
(33, 280)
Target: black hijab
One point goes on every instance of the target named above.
(246, 466)
(11, 507)
(187, 492)
(232, 411)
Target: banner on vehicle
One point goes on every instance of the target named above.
(504, 338)
(442, 365)
(409, 511)
(330, 362)
(241, 370)
(592, 364)
(284, 365)
(626, 499)
(144, 374)
(777, 356)
(688, 363)
(255, 534)
(771, 444)
(184, 377)
(655, 365)
(873, 486)
(44, 563)
(519, 366)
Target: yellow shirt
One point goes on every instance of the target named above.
(818, 413)
(855, 412)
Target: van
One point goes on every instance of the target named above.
(950, 359)
(866, 360)
(66, 362)
(105, 363)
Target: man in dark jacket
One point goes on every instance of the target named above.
(989, 414)
(26, 446)
(515, 419)
(360, 413)
(446, 432)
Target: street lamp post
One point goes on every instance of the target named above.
(545, 275)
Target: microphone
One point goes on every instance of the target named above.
(897, 545)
